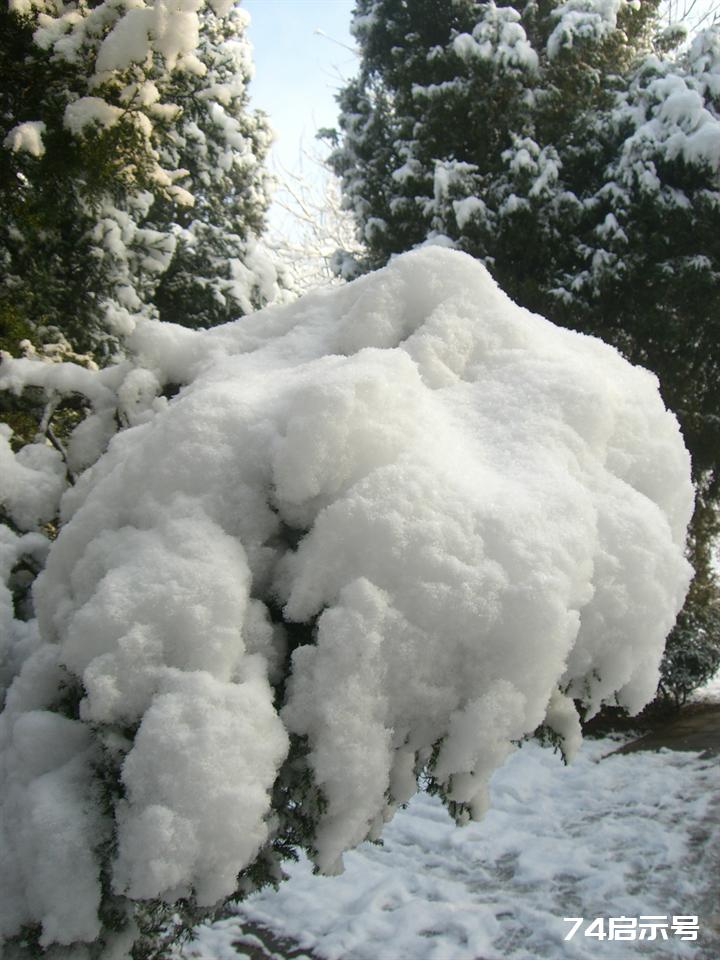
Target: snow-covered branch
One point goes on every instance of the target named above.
(379, 533)
(315, 237)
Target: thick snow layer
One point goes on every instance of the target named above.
(33, 481)
(629, 835)
(499, 38)
(476, 515)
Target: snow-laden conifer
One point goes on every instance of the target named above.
(130, 169)
(377, 535)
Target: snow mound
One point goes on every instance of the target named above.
(404, 519)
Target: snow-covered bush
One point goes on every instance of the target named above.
(379, 534)
(692, 654)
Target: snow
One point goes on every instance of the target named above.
(45, 766)
(540, 165)
(670, 108)
(26, 7)
(169, 830)
(608, 836)
(88, 111)
(467, 209)
(584, 21)
(169, 27)
(27, 137)
(60, 828)
(475, 516)
(128, 41)
(500, 38)
(33, 481)
(710, 692)
(679, 123)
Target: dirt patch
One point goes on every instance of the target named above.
(695, 727)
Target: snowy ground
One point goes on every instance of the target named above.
(609, 836)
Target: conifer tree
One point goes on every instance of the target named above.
(218, 271)
(127, 147)
(456, 100)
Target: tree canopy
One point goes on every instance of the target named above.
(131, 173)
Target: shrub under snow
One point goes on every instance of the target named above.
(380, 533)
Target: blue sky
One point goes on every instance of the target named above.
(301, 59)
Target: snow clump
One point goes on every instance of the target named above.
(402, 522)
(27, 136)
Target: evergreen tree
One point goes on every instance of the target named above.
(218, 272)
(570, 150)
(692, 651)
(127, 149)
(457, 101)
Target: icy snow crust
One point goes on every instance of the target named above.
(478, 514)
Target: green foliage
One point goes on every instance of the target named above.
(422, 102)
(692, 652)
(209, 278)
(50, 202)
(547, 737)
